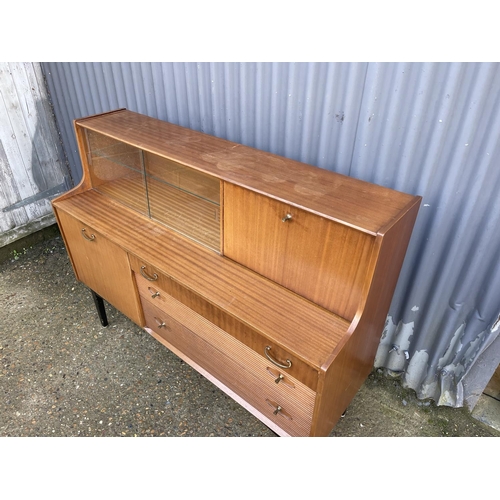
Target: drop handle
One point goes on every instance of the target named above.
(280, 378)
(274, 361)
(88, 238)
(286, 218)
(146, 275)
(154, 293)
(277, 410)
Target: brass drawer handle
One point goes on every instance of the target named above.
(146, 275)
(270, 358)
(160, 323)
(154, 293)
(279, 377)
(286, 218)
(88, 238)
(278, 409)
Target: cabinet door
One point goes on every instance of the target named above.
(254, 234)
(320, 259)
(101, 265)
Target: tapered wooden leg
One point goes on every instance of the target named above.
(101, 311)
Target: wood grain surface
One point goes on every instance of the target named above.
(350, 201)
(235, 250)
(293, 323)
(233, 363)
(315, 257)
(159, 292)
(101, 264)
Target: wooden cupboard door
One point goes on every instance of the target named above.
(326, 262)
(101, 265)
(320, 259)
(254, 234)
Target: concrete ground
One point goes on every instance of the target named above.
(63, 374)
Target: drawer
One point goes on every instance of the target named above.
(155, 287)
(288, 403)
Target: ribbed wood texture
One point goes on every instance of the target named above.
(194, 217)
(236, 365)
(102, 147)
(308, 286)
(173, 173)
(130, 191)
(191, 216)
(184, 199)
(159, 291)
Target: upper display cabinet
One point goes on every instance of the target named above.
(185, 200)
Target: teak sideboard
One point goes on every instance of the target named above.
(270, 277)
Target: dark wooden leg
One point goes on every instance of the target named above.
(99, 304)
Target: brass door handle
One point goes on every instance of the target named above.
(146, 275)
(88, 238)
(277, 363)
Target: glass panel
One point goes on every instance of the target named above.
(116, 170)
(181, 177)
(184, 199)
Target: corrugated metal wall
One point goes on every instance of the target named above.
(32, 163)
(424, 128)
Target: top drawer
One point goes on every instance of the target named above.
(154, 285)
(320, 259)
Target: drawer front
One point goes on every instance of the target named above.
(154, 286)
(288, 403)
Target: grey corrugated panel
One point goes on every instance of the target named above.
(305, 111)
(425, 128)
(438, 136)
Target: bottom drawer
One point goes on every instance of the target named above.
(250, 376)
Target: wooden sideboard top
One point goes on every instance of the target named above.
(281, 315)
(368, 207)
